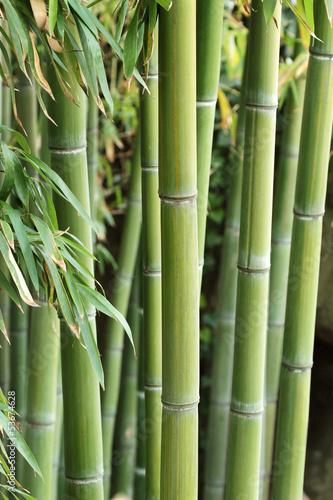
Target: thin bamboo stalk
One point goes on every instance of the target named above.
(124, 449)
(140, 469)
(281, 238)
(57, 434)
(216, 453)
(81, 397)
(209, 40)
(288, 471)
(243, 467)
(180, 280)
(120, 299)
(152, 291)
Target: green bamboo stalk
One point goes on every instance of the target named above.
(124, 449)
(57, 434)
(152, 291)
(81, 398)
(243, 467)
(209, 40)
(40, 420)
(288, 472)
(140, 469)
(281, 237)
(180, 280)
(216, 453)
(120, 298)
(92, 151)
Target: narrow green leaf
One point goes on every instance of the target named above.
(21, 183)
(48, 240)
(269, 7)
(103, 305)
(74, 292)
(121, 19)
(16, 272)
(53, 12)
(18, 136)
(19, 442)
(130, 47)
(166, 4)
(91, 346)
(308, 7)
(9, 178)
(3, 327)
(62, 297)
(6, 287)
(8, 233)
(24, 243)
(60, 187)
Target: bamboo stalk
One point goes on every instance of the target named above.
(243, 467)
(152, 291)
(209, 40)
(120, 298)
(92, 151)
(140, 469)
(124, 449)
(180, 280)
(281, 237)
(216, 453)
(40, 420)
(81, 398)
(288, 470)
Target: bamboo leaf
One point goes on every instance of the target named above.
(38, 70)
(103, 305)
(166, 4)
(53, 13)
(19, 442)
(6, 287)
(8, 233)
(60, 187)
(130, 47)
(91, 346)
(23, 240)
(269, 7)
(9, 177)
(3, 327)
(308, 7)
(62, 297)
(16, 273)
(21, 183)
(18, 136)
(48, 240)
(39, 11)
(300, 17)
(121, 20)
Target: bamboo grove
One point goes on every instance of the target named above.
(163, 175)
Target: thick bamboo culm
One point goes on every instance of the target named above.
(83, 457)
(289, 458)
(281, 238)
(219, 410)
(180, 280)
(121, 288)
(243, 469)
(209, 40)
(152, 290)
(124, 448)
(40, 419)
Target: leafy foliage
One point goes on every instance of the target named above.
(50, 258)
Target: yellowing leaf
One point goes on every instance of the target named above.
(41, 77)
(39, 10)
